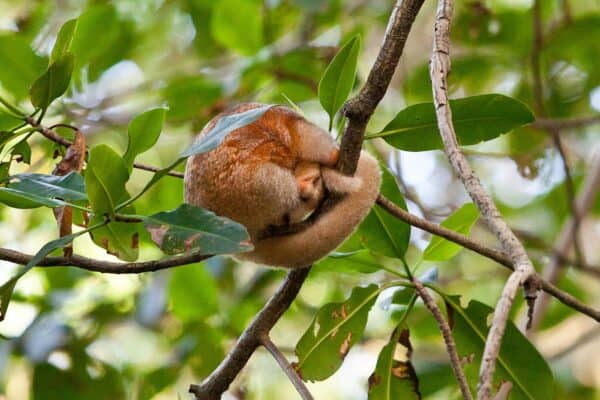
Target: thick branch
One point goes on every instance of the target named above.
(524, 271)
(359, 109)
(489, 252)
(219, 380)
(448, 339)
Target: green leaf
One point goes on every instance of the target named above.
(6, 291)
(105, 178)
(189, 96)
(193, 229)
(68, 187)
(394, 379)
(193, 293)
(238, 25)
(118, 238)
(63, 40)
(224, 126)
(24, 150)
(18, 199)
(52, 83)
(381, 232)
(518, 362)
(335, 329)
(143, 132)
(338, 79)
(20, 65)
(359, 261)
(461, 221)
(476, 119)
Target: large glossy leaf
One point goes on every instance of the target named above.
(143, 132)
(476, 119)
(519, 362)
(52, 83)
(193, 293)
(338, 79)
(461, 221)
(238, 25)
(222, 128)
(394, 379)
(20, 65)
(193, 229)
(69, 187)
(63, 40)
(381, 232)
(105, 178)
(335, 329)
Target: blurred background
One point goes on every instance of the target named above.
(72, 334)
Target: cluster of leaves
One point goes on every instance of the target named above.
(92, 186)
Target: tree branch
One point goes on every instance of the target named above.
(219, 380)
(448, 339)
(560, 124)
(359, 109)
(523, 273)
(485, 251)
(286, 367)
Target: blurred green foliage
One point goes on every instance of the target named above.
(140, 77)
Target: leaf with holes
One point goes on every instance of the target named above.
(476, 119)
(193, 229)
(381, 232)
(519, 362)
(143, 132)
(52, 83)
(461, 221)
(335, 329)
(224, 126)
(338, 79)
(392, 378)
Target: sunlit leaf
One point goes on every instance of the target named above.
(105, 178)
(476, 119)
(338, 79)
(64, 39)
(52, 83)
(193, 229)
(143, 132)
(222, 128)
(121, 239)
(461, 221)
(335, 329)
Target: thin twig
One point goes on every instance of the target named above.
(286, 367)
(584, 202)
(562, 124)
(538, 98)
(491, 253)
(448, 339)
(219, 380)
(524, 273)
(56, 138)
